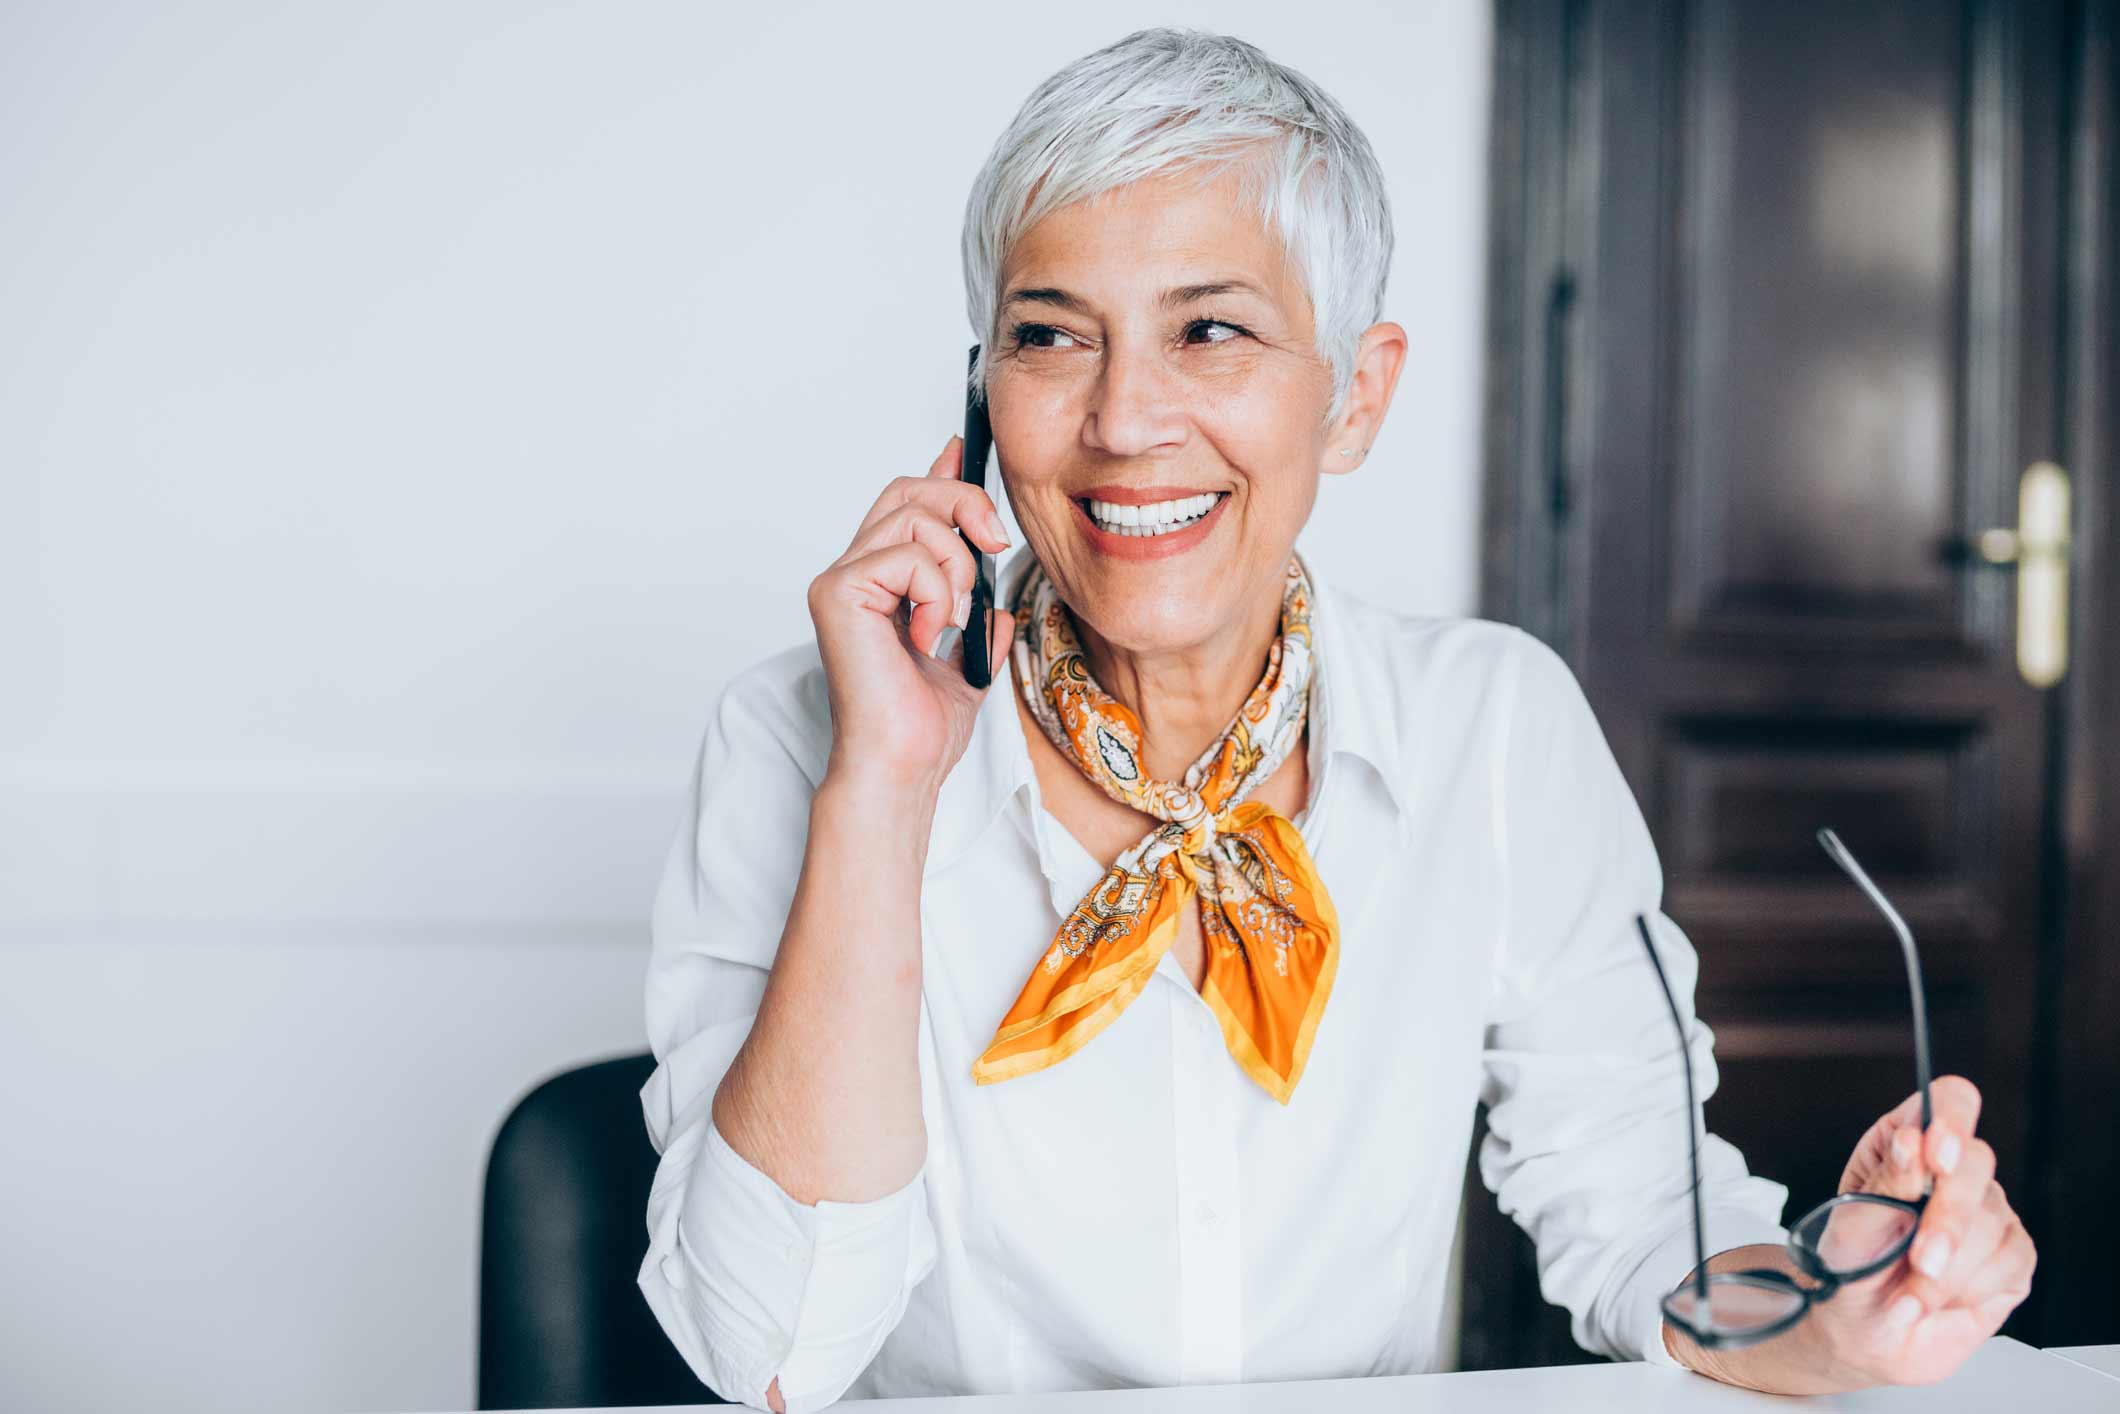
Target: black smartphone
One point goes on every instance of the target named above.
(979, 624)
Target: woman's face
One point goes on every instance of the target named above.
(1152, 346)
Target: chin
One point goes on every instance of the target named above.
(1171, 617)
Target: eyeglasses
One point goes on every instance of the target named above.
(1842, 1240)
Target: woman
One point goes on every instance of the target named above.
(1123, 1025)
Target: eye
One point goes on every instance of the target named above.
(1045, 336)
(1236, 331)
(1031, 336)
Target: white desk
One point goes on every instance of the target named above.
(2003, 1375)
(2105, 1359)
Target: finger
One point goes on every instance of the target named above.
(948, 500)
(1950, 1097)
(1973, 1251)
(918, 525)
(1001, 634)
(951, 462)
(1880, 1151)
(883, 579)
(1996, 1309)
(1955, 1102)
(1871, 1156)
(1938, 1344)
(2008, 1272)
(1898, 1171)
(2006, 1269)
(1953, 1206)
(1004, 638)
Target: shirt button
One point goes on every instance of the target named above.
(673, 1271)
(1208, 1217)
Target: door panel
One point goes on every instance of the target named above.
(1785, 282)
(1825, 406)
(1821, 235)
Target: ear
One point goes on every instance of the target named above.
(1377, 363)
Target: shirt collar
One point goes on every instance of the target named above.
(1352, 683)
(1355, 687)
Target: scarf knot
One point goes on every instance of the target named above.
(1271, 935)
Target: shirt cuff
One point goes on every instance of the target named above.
(1671, 1262)
(794, 1289)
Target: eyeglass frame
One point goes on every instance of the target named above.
(1808, 1262)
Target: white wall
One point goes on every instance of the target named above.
(410, 416)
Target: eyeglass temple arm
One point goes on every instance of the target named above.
(1846, 861)
(1685, 1058)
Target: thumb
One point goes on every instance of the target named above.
(1004, 637)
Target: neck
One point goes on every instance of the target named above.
(1186, 698)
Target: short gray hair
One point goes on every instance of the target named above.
(1168, 98)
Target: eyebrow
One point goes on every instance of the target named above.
(1172, 298)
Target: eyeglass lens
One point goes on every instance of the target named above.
(1851, 1236)
(1736, 1304)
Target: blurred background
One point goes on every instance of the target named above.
(411, 416)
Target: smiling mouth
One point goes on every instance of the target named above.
(1148, 522)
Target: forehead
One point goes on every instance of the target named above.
(1147, 235)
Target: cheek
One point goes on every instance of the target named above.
(1274, 421)
(1023, 396)
(1033, 425)
(1278, 461)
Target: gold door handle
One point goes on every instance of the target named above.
(2039, 548)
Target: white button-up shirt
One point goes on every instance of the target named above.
(1142, 1213)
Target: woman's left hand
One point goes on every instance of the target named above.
(1970, 1263)
(1914, 1323)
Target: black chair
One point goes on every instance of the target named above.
(561, 1319)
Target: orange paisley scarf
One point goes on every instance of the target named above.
(1272, 938)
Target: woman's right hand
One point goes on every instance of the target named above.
(901, 718)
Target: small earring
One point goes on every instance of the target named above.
(1349, 451)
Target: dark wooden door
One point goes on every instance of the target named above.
(1788, 291)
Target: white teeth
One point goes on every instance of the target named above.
(1151, 520)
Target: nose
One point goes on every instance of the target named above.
(1135, 406)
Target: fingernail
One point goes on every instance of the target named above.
(1935, 1256)
(1947, 1153)
(964, 609)
(1902, 1152)
(1000, 530)
(1905, 1311)
(946, 642)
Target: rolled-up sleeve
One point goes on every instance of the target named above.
(1586, 1143)
(749, 1283)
